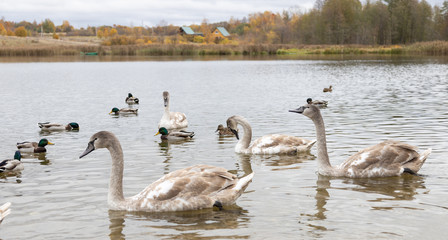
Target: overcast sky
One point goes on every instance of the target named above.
(83, 13)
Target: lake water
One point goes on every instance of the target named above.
(59, 196)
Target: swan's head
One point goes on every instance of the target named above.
(103, 139)
(308, 110)
(44, 142)
(233, 126)
(166, 98)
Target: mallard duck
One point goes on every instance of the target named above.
(12, 165)
(330, 89)
(171, 120)
(123, 111)
(47, 126)
(174, 135)
(34, 147)
(269, 144)
(4, 211)
(386, 159)
(319, 103)
(191, 188)
(131, 99)
(224, 131)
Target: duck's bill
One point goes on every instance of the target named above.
(298, 110)
(157, 134)
(50, 143)
(89, 149)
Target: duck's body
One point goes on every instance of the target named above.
(131, 99)
(124, 111)
(224, 131)
(34, 147)
(192, 188)
(174, 135)
(386, 159)
(47, 126)
(12, 165)
(172, 120)
(269, 144)
(319, 103)
(4, 211)
(330, 89)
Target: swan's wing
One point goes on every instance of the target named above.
(194, 187)
(278, 144)
(384, 159)
(178, 120)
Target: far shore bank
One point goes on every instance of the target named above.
(38, 47)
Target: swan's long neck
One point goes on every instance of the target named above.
(244, 141)
(167, 107)
(323, 161)
(115, 197)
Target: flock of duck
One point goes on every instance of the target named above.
(205, 186)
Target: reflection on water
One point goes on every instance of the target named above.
(373, 100)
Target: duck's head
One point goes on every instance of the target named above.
(308, 110)
(220, 127)
(17, 155)
(114, 110)
(103, 139)
(162, 131)
(233, 126)
(309, 100)
(44, 142)
(130, 95)
(166, 98)
(75, 126)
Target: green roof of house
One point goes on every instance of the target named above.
(187, 30)
(223, 31)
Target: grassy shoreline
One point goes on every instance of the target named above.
(37, 47)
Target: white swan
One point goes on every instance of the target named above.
(172, 120)
(269, 144)
(191, 188)
(4, 211)
(389, 158)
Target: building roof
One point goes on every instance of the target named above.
(223, 31)
(187, 30)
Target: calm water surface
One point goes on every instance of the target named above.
(59, 196)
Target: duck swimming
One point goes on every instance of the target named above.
(34, 147)
(174, 135)
(191, 188)
(386, 159)
(47, 126)
(319, 103)
(12, 165)
(131, 99)
(123, 111)
(268, 144)
(224, 131)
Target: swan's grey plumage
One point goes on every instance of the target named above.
(268, 144)
(171, 120)
(389, 158)
(191, 188)
(4, 211)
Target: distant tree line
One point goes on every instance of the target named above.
(328, 22)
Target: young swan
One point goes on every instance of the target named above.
(4, 211)
(191, 188)
(389, 158)
(171, 120)
(269, 144)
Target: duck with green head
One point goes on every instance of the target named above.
(47, 126)
(174, 135)
(123, 111)
(34, 147)
(131, 99)
(12, 165)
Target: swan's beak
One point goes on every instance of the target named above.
(157, 133)
(298, 110)
(235, 132)
(89, 149)
(165, 101)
